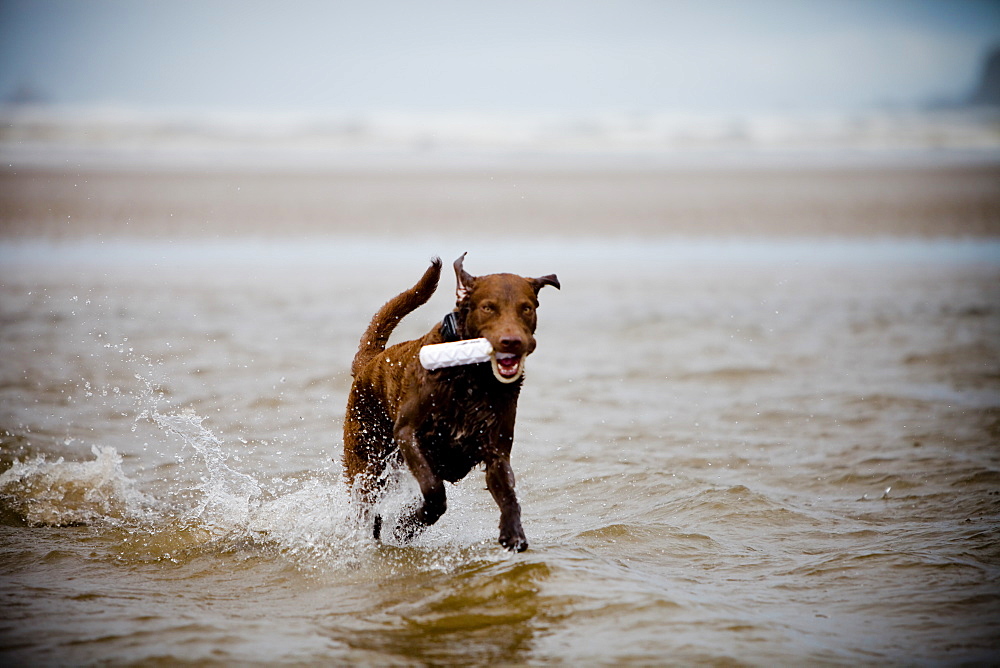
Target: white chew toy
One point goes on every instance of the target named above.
(455, 353)
(459, 353)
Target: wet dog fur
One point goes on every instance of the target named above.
(445, 422)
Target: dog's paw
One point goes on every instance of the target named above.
(514, 543)
(406, 530)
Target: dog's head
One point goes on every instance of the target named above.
(502, 309)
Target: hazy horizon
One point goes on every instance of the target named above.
(511, 58)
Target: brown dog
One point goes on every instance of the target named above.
(445, 422)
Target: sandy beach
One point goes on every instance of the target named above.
(510, 203)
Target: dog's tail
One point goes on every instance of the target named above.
(377, 335)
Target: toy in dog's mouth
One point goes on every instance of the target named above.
(507, 367)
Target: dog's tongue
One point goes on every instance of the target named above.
(507, 367)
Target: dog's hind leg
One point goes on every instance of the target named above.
(368, 452)
(366, 490)
(366, 477)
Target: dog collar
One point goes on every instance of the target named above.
(449, 328)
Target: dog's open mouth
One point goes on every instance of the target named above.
(507, 367)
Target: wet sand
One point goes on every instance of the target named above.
(509, 204)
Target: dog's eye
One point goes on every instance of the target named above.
(487, 308)
(527, 309)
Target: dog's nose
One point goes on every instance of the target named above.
(511, 344)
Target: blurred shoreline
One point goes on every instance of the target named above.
(508, 206)
(251, 139)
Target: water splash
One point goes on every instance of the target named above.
(208, 504)
(314, 525)
(311, 521)
(228, 498)
(61, 493)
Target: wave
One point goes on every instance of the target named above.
(49, 133)
(60, 493)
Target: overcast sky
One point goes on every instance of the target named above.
(576, 56)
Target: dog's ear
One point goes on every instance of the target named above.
(464, 280)
(539, 283)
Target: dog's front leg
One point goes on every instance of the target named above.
(500, 481)
(431, 486)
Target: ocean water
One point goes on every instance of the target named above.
(161, 139)
(728, 452)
